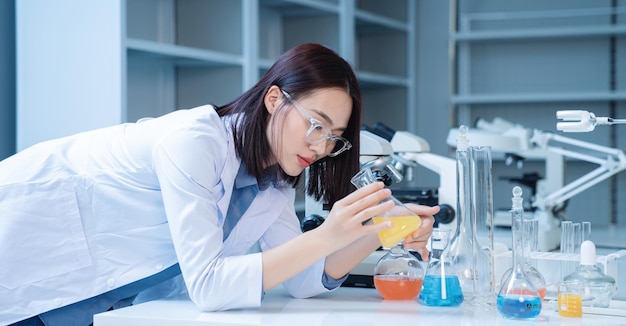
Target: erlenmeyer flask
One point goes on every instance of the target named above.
(518, 298)
(398, 275)
(441, 284)
(403, 220)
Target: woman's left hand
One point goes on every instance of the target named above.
(418, 239)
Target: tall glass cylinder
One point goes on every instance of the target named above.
(473, 258)
(461, 247)
(481, 221)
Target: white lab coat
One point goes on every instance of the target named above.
(85, 214)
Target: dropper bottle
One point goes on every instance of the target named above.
(599, 288)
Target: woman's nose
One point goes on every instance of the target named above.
(321, 149)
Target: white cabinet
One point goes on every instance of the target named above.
(88, 64)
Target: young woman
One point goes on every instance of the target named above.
(100, 219)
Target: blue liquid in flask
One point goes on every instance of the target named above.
(431, 294)
(519, 306)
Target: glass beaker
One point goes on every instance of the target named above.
(570, 299)
(441, 284)
(398, 275)
(403, 220)
(518, 298)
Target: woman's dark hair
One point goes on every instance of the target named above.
(299, 71)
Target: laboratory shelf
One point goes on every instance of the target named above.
(163, 55)
(183, 54)
(302, 7)
(523, 61)
(371, 21)
(540, 33)
(370, 79)
(538, 97)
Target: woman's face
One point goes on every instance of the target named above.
(293, 151)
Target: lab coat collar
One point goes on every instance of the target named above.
(243, 178)
(269, 178)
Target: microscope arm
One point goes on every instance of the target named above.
(610, 160)
(446, 169)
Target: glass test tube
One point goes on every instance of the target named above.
(576, 236)
(566, 246)
(531, 234)
(586, 232)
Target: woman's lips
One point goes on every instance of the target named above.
(303, 162)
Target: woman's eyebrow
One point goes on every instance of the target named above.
(326, 118)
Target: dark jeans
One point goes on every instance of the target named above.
(82, 312)
(32, 321)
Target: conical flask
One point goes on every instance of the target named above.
(403, 220)
(517, 297)
(441, 283)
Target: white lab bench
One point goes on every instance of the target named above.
(349, 306)
(345, 306)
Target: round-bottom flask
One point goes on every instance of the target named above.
(518, 298)
(441, 284)
(398, 275)
(534, 277)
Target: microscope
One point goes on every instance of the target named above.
(376, 152)
(392, 155)
(411, 151)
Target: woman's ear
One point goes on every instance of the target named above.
(272, 99)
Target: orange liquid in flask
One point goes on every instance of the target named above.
(396, 287)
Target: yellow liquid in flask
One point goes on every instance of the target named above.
(401, 226)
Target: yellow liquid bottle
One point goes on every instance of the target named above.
(401, 226)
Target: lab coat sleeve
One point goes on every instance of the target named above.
(309, 282)
(189, 164)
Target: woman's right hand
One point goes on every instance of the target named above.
(345, 222)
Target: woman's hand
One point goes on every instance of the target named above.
(418, 239)
(345, 221)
